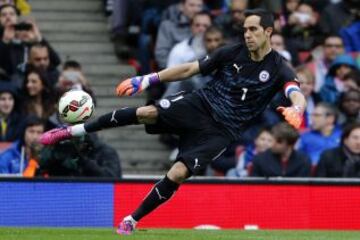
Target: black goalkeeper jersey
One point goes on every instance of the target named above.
(242, 88)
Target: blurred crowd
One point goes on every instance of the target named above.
(32, 79)
(319, 39)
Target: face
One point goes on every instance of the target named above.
(333, 47)
(351, 103)
(264, 141)
(291, 5)
(34, 85)
(25, 35)
(280, 146)
(39, 57)
(237, 11)
(306, 9)
(32, 134)
(8, 16)
(342, 71)
(200, 24)
(254, 34)
(306, 84)
(191, 7)
(213, 41)
(320, 119)
(7, 103)
(353, 141)
(350, 84)
(277, 42)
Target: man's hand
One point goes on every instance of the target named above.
(136, 84)
(293, 115)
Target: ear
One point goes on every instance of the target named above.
(269, 31)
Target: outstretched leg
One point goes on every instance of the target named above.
(117, 118)
(159, 194)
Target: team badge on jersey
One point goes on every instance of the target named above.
(264, 76)
(164, 103)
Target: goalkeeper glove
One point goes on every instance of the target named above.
(293, 115)
(136, 84)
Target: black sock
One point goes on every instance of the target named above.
(160, 193)
(117, 118)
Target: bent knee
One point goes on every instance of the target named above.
(147, 114)
(178, 172)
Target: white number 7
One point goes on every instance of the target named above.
(244, 94)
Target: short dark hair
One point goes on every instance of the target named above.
(285, 132)
(10, 5)
(266, 17)
(348, 129)
(72, 64)
(263, 130)
(330, 109)
(30, 121)
(38, 45)
(214, 29)
(355, 75)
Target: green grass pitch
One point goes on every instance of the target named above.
(173, 234)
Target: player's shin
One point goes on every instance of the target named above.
(117, 118)
(160, 193)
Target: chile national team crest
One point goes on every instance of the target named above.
(264, 76)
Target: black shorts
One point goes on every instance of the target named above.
(201, 138)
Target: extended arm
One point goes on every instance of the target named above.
(293, 115)
(137, 84)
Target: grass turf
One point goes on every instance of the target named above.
(173, 234)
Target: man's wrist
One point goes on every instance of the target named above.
(298, 108)
(153, 78)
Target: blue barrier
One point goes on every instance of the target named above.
(56, 204)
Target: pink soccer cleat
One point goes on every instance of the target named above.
(127, 226)
(55, 135)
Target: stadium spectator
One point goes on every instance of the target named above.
(40, 57)
(349, 107)
(38, 97)
(175, 29)
(81, 157)
(278, 44)
(72, 77)
(207, 120)
(324, 132)
(8, 18)
(307, 86)
(334, 81)
(16, 41)
(213, 39)
(23, 152)
(189, 50)
(263, 141)
(302, 28)
(338, 15)
(352, 80)
(351, 35)
(151, 17)
(331, 48)
(289, 7)
(231, 23)
(10, 117)
(344, 160)
(282, 159)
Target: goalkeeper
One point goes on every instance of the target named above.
(246, 77)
